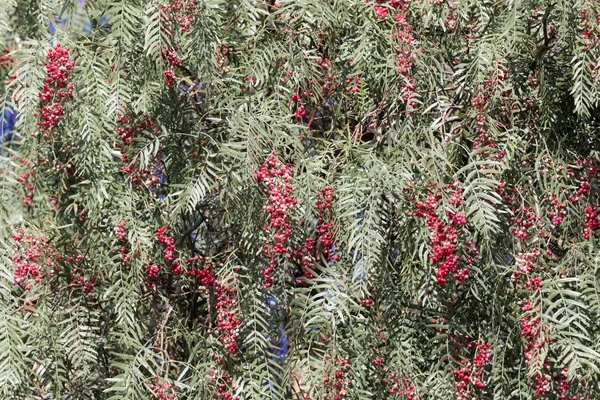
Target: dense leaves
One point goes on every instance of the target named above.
(343, 199)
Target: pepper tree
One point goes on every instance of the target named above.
(303, 199)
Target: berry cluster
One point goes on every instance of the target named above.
(444, 238)
(152, 271)
(394, 382)
(590, 20)
(560, 209)
(277, 177)
(586, 171)
(405, 49)
(162, 390)
(221, 56)
(353, 84)
(180, 13)
(367, 303)
(224, 386)
(33, 255)
(524, 219)
(35, 259)
(169, 250)
(484, 92)
(470, 374)
(130, 127)
(564, 384)
(525, 263)
(120, 232)
(173, 60)
(583, 174)
(325, 221)
(24, 181)
(399, 8)
(78, 273)
(401, 385)
(536, 337)
(300, 101)
(305, 256)
(338, 385)
(227, 320)
(406, 54)
(204, 275)
(406, 389)
(228, 324)
(452, 15)
(592, 223)
(535, 333)
(57, 89)
(121, 236)
(480, 100)
(5, 59)
(328, 81)
(311, 251)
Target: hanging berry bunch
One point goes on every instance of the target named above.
(130, 127)
(32, 258)
(277, 178)
(450, 256)
(309, 255)
(57, 89)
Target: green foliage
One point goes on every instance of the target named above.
(432, 112)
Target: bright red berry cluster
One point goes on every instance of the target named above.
(399, 9)
(169, 250)
(57, 87)
(204, 275)
(152, 271)
(592, 223)
(33, 259)
(524, 219)
(367, 303)
(444, 238)
(162, 390)
(470, 375)
(277, 177)
(173, 61)
(300, 102)
(559, 213)
(536, 339)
